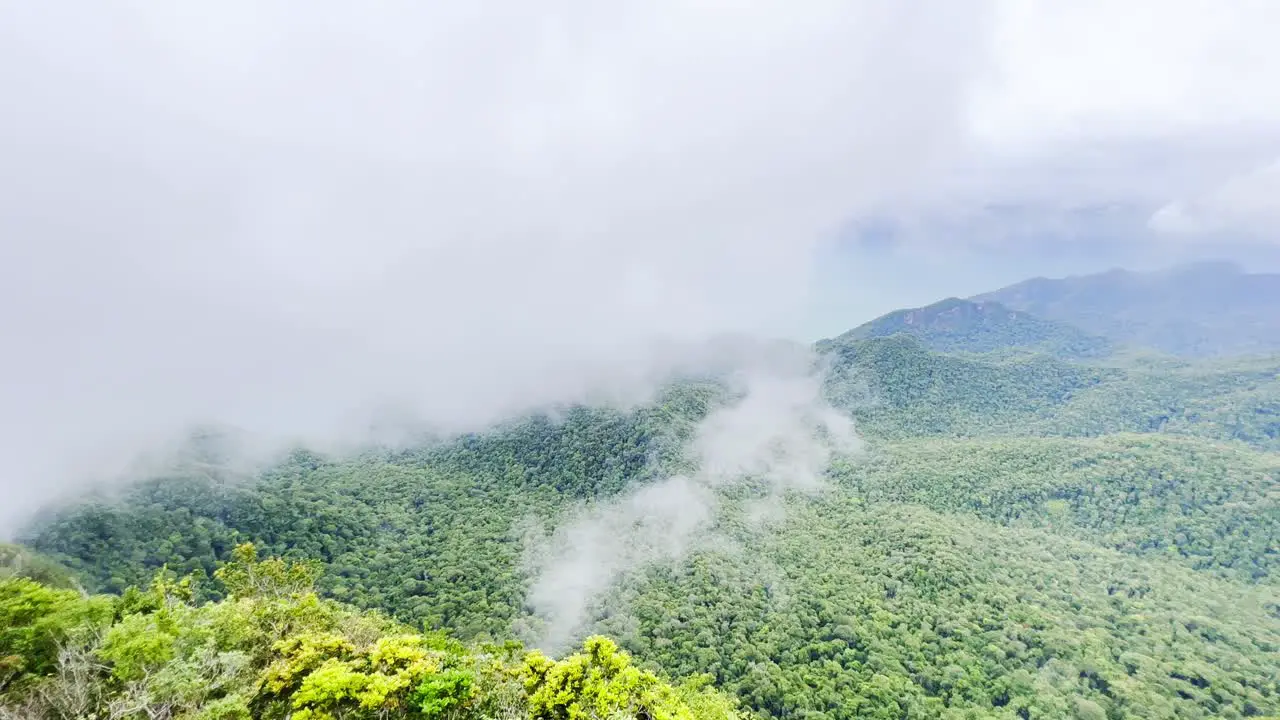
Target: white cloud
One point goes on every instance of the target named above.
(1246, 206)
(1141, 70)
(1147, 104)
(279, 216)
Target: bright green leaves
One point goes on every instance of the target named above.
(327, 676)
(170, 658)
(400, 651)
(247, 576)
(35, 621)
(137, 645)
(442, 692)
(299, 656)
(329, 687)
(601, 682)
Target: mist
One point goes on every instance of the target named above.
(776, 435)
(291, 222)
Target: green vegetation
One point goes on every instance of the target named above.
(274, 649)
(1010, 577)
(1236, 399)
(1027, 534)
(20, 562)
(955, 325)
(886, 610)
(1213, 506)
(898, 389)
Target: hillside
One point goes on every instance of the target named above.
(955, 325)
(431, 361)
(1136, 539)
(1206, 505)
(1027, 533)
(1181, 529)
(897, 388)
(1200, 309)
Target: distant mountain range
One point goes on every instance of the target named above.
(1195, 310)
(1200, 309)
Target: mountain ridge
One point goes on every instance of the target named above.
(1200, 309)
(960, 325)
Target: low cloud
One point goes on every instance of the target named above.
(776, 435)
(293, 221)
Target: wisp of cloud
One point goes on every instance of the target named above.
(778, 432)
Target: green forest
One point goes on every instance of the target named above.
(1022, 535)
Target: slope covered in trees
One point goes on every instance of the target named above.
(897, 388)
(1024, 535)
(1092, 533)
(426, 533)
(20, 562)
(1208, 505)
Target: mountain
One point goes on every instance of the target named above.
(1199, 309)
(955, 325)
(1036, 526)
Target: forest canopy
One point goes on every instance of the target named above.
(1022, 535)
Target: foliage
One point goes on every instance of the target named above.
(879, 609)
(427, 533)
(601, 682)
(1235, 399)
(895, 387)
(246, 576)
(171, 657)
(1208, 504)
(898, 389)
(35, 620)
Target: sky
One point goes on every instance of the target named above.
(1135, 134)
(246, 213)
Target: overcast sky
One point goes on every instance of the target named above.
(281, 215)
